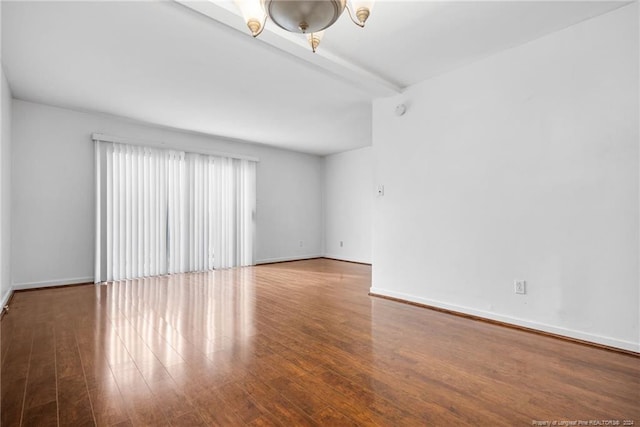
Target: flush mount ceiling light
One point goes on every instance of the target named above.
(309, 17)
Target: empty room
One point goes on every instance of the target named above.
(319, 212)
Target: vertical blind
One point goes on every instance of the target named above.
(164, 211)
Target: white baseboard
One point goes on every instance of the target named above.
(48, 283)
(285, 259)
(569, 333)
(5, 298)
(346, 258)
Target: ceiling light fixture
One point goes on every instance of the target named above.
(309, 17)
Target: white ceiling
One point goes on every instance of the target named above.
(191, 65)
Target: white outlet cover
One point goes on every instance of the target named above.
(520, 287)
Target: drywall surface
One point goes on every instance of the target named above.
(349, 190)
(53, 192)
(523, 166)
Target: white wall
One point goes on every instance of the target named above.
(53, 186)
(520, 166)
(5, 189)
(349, 189)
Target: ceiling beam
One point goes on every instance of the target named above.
(225, 12)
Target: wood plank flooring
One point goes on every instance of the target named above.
(289, 344)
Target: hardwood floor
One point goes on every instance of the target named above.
(297, 343)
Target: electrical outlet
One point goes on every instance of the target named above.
(520, 287)
(301, 243)
(341, 243)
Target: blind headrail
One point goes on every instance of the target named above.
(160, 144)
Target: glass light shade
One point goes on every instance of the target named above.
(361, 9)
(315, 39)
(253, 14)
(307, 16)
